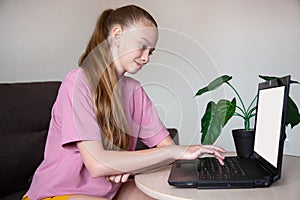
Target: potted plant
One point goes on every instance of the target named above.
(218, 114)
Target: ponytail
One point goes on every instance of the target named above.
(100, 34)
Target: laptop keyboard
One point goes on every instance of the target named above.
(210, 168)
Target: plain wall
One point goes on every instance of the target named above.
(199, 40)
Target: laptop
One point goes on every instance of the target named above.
(263, 167)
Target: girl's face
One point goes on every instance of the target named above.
(132, 47)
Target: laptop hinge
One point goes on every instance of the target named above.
(271, 171)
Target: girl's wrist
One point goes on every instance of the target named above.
(174, 151)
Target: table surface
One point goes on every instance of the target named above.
(154, 183)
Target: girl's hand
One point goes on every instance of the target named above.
(196, 151)
(216, 151)
(119, 178)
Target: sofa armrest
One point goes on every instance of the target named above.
(173, 133)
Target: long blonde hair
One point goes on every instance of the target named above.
(97, 63)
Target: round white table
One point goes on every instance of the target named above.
(154, 183)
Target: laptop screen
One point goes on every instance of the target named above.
(268, 123)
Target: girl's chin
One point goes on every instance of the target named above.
(134, 70)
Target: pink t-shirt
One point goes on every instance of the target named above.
(73, 119)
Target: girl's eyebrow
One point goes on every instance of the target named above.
(149, 43)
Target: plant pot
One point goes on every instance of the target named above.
(244, 142)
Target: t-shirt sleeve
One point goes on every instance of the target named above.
(143, 114)
(78, 121)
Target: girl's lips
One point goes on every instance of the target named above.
(139, 64)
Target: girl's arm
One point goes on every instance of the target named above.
(124, 177)
(101, 162)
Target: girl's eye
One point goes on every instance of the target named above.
(143, 47)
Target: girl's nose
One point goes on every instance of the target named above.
(145, 57)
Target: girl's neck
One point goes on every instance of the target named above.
(119, 70)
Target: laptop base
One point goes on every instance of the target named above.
(188, 176)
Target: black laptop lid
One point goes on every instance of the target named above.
(270, 123)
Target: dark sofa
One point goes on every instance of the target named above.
(25, 111)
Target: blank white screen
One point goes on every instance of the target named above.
(268, 123)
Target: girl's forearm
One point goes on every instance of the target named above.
(139, 161)
(102, 162)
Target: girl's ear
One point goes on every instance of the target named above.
(116, 35)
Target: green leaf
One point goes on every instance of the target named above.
(268, 78)
(206, 118)
(215, 118)
(225, 110)
(292, 115)
(210, 124)
(214, 84)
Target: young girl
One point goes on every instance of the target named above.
(99, 114)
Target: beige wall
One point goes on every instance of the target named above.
(199, 40)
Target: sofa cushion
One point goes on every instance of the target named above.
(25, 111)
